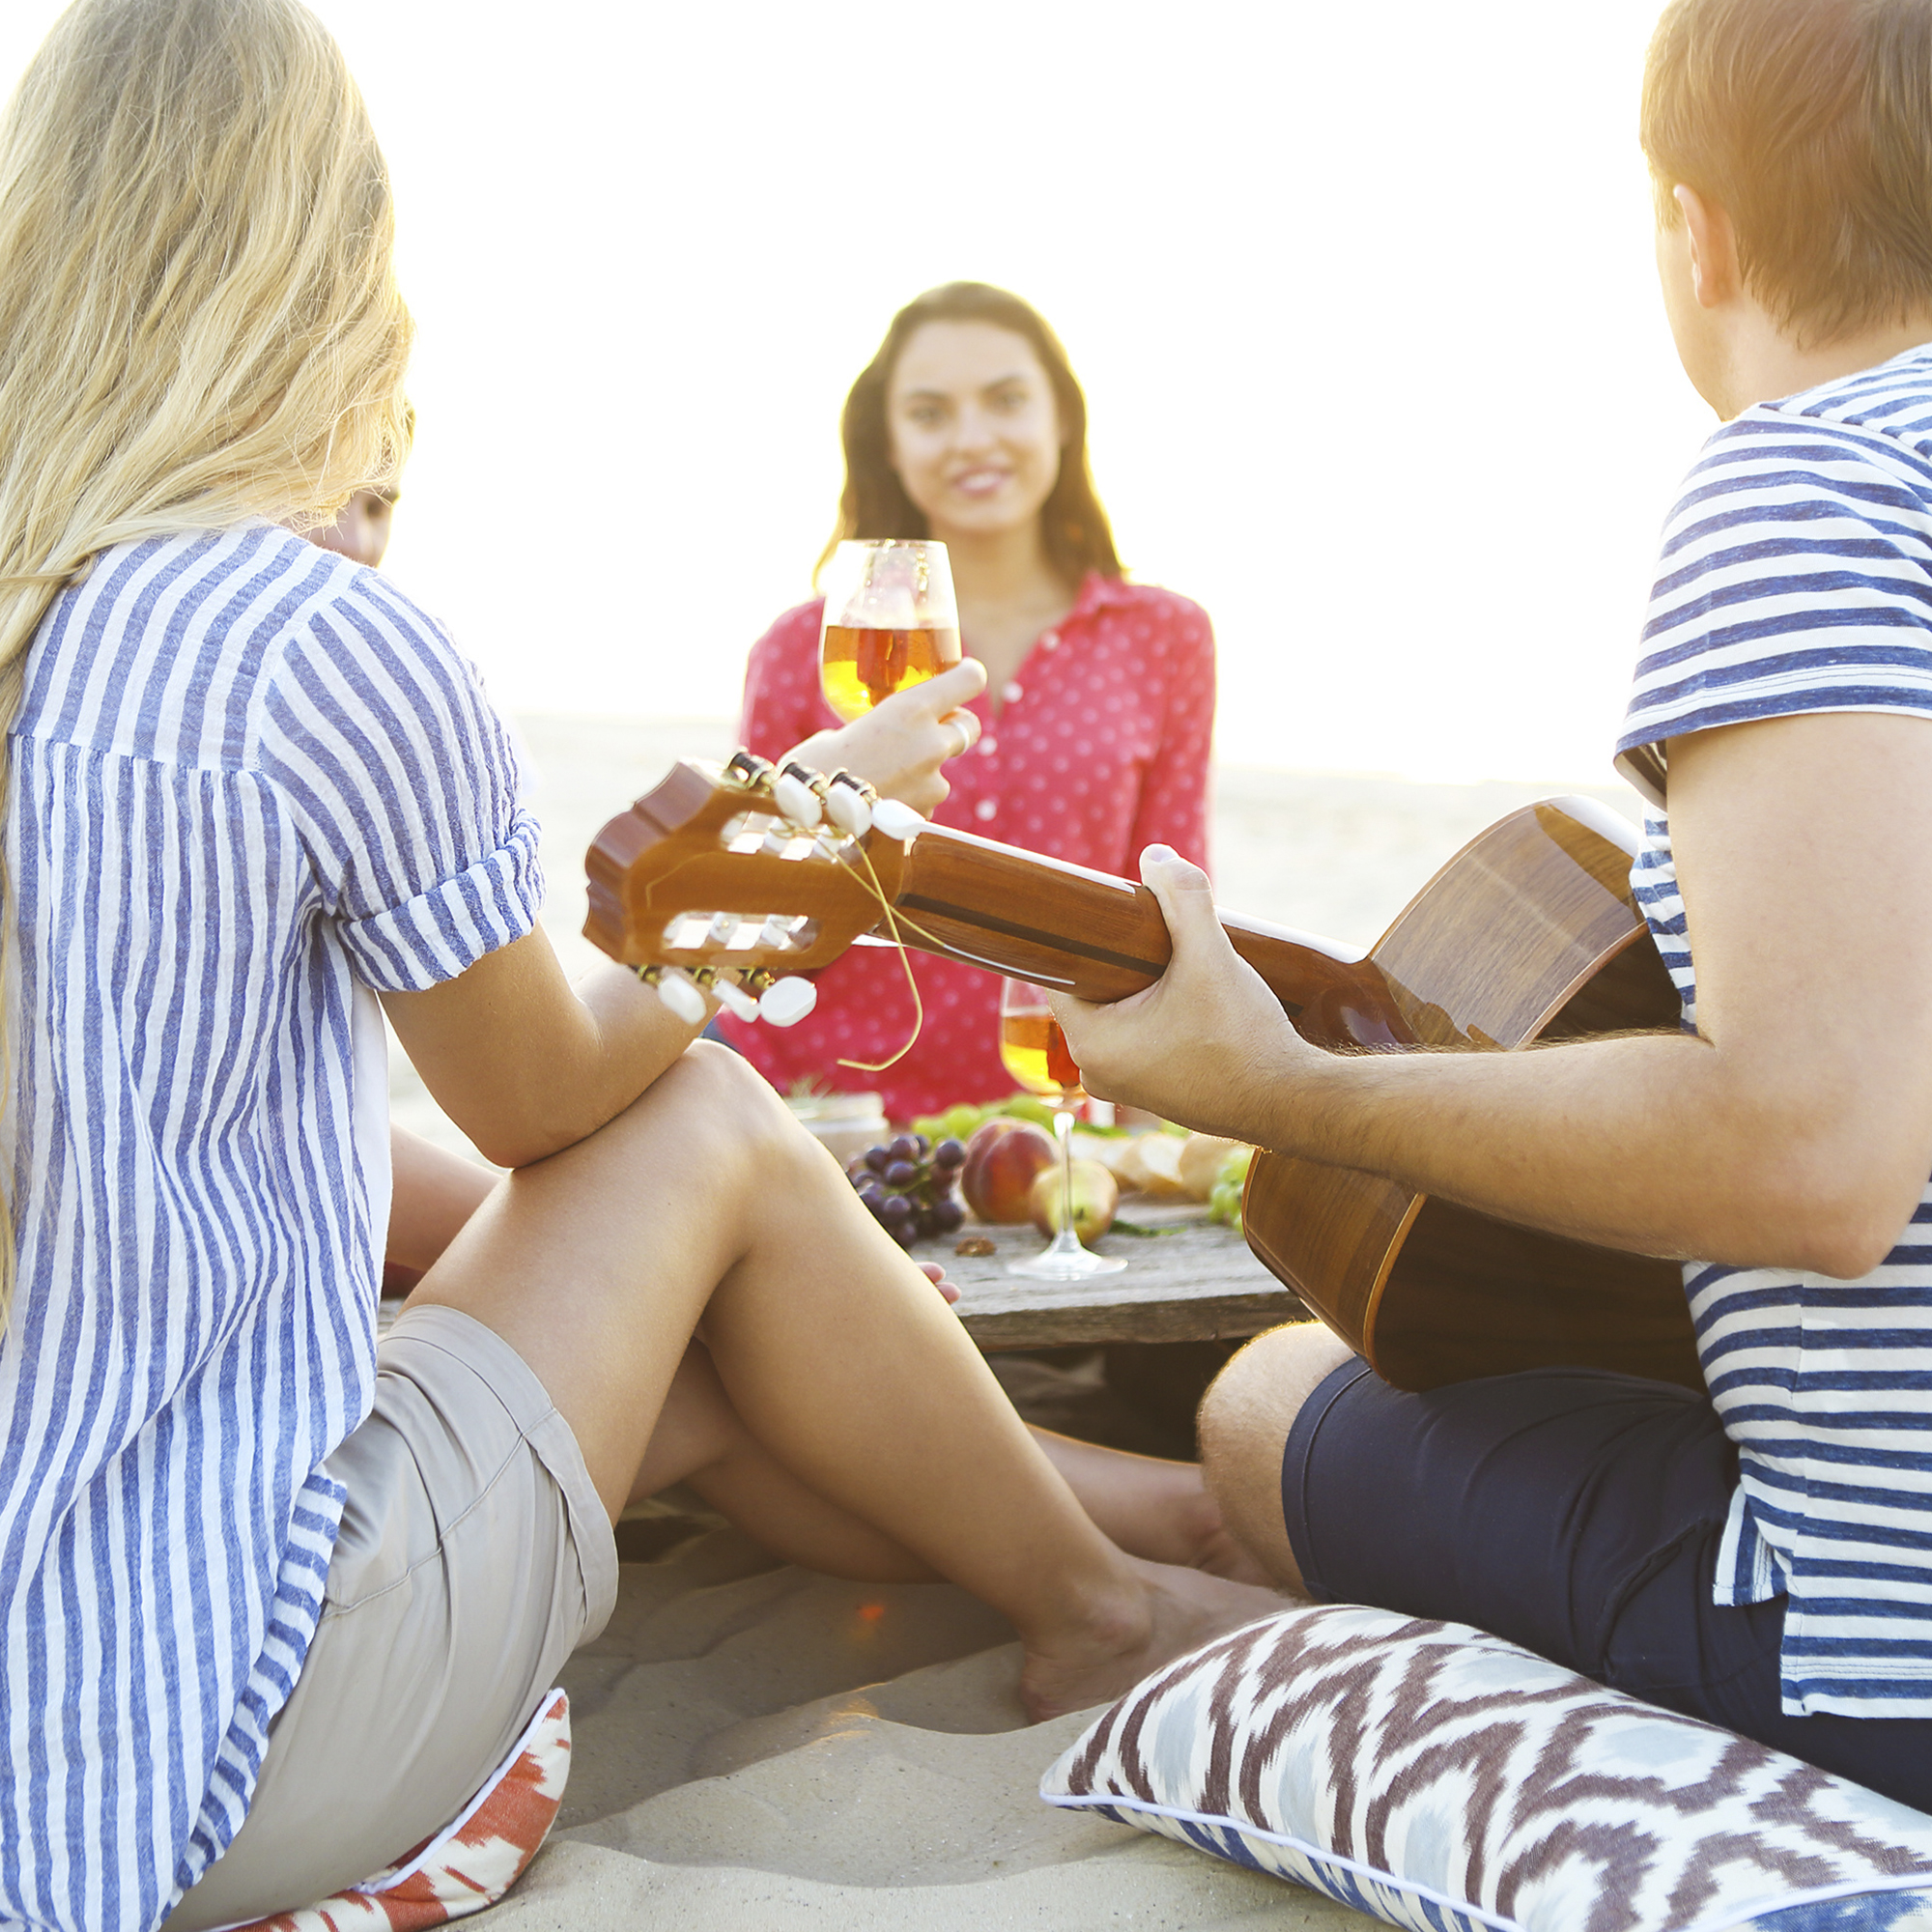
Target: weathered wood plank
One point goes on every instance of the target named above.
(1197, 1282)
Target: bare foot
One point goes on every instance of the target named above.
(1180, 1609)
(1151, 1507)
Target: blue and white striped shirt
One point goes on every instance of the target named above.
(250, 784)
(1797, 577)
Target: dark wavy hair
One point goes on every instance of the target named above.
(1073, 526)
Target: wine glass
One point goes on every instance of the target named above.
(1034, 1051)
(891, 621)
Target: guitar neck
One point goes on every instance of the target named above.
(1062, 925)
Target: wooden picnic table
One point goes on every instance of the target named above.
(1190, 1282)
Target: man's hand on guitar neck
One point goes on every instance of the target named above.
(1207, 1044)
(1793, 1129)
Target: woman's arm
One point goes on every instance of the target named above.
(1795, 1129)
(525, 1063)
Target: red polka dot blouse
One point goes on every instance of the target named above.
(1096, 747)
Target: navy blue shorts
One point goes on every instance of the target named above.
(1576, 1513)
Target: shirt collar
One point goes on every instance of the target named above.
(1099, 593)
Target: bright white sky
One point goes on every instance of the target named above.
(1362, 300)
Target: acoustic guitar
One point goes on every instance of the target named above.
(740, 881)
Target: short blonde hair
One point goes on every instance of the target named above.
(199, 317)
(1810, 123)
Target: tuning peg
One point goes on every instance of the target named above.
(678, 990)
(749, 770)
(848, 802)
(734, 999)
(725, 991)
(896, 820)
(781, 1001)
(787, 1002)
(796, 791)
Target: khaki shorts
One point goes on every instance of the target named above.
(473, 1558)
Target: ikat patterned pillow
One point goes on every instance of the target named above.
(1444, 1780)
(473, 1861)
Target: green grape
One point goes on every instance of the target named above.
(955, 1123)
(1026, 1107)
(1234, 1165)
(1224, 1198)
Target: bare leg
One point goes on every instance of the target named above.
(1151, 1507)
(701, 1439)
(704, 1200)
(1246, 1417)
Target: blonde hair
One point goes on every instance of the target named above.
(199, 317)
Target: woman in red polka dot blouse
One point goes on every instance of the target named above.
(968, 426)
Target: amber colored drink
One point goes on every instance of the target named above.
(1034, 1052)
(862, 668)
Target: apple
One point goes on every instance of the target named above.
(1095, 1196)
(1001, 1158)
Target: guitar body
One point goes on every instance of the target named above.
(1529, 933)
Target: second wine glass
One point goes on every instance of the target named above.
(1036, 1054)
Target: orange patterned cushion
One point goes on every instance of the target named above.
(469, 1864)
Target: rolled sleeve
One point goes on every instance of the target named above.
(443, 931)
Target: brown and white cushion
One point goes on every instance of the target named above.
(1442, 1779)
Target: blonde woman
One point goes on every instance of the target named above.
(274, 1604)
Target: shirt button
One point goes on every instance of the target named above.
(988, 746)
(1012, 693)
(985, 809)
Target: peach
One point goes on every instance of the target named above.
(1001, 1158)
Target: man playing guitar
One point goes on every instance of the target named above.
(1760, 1555)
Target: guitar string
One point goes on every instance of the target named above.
(870, 881)
(895, 919)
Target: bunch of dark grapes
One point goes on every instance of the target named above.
(911, 1187)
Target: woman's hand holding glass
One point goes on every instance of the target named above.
(899, 746)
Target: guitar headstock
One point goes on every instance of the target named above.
(735, 879)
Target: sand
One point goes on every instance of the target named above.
(756, 1746)
(759, 1746)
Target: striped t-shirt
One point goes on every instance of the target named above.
(1797, 577)
(250, 784)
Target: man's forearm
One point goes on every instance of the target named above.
(1564, 1138)
(1648, 1143)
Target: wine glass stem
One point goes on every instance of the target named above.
(1063, 1128)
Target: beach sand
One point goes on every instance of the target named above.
(759, 1747)
(756, 1746)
